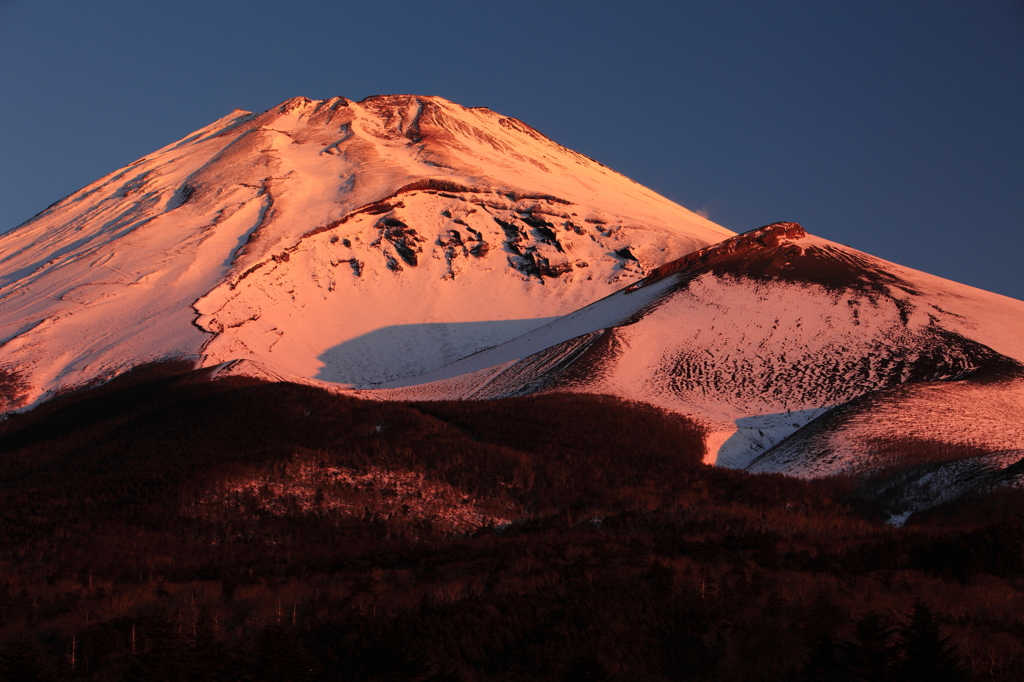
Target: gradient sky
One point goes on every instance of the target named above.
(894, 127)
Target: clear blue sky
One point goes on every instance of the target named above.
(894, 127)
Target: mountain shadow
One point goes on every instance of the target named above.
(408, 350)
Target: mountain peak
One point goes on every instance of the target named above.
(348, 241)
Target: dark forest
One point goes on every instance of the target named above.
(166, 526)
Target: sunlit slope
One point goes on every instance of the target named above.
(757, 336)
(351, 241)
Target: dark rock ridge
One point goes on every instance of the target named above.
(770, 253)
(766, 237)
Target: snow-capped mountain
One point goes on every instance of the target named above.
(353, 242)
(410, 248)
(801, 356)
(246, 386)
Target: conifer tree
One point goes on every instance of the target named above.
(873, 654)
(926, 655)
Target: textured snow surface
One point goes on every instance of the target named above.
(979, 412)
(760, 336)
(351, 242)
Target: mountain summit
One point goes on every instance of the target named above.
(354, 242)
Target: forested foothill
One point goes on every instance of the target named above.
(166, 526)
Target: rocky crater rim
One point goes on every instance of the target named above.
(759, 239)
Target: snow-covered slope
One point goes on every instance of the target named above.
(759, 336)
(984, 410)
(346, 241)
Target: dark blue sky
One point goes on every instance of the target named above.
(894, 127)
